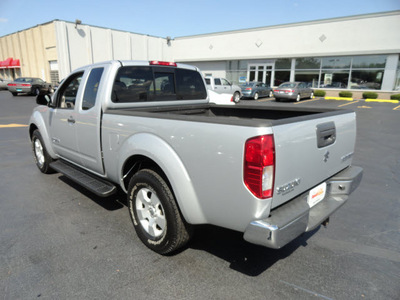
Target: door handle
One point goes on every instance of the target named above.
(71, 120)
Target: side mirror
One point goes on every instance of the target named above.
(43, 99)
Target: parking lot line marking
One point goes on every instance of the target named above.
(265, 100)
(305, 290)
(300, 102)
(382, 101)
(349, 103)
(12, 125)
(396, 107)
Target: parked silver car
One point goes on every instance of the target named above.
(255, 90)
(3, 83)
(293, 91)
(31, 85)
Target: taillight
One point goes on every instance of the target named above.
(162, 63)
(259, 165)
(26, 84)
(12, 84)
(248, 89)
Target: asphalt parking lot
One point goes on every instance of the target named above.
(58, 241)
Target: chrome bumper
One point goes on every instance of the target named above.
(296, 217)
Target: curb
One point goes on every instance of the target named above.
(339, 98)
(382, 100)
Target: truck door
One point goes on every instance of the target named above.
(88, 123)
(227, 86)
(63, 118)
(218, 86)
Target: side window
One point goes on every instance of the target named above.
(217, 81)
(189, 85)
(92, 86)
(225, 82)
(133, 84)
(67, 93)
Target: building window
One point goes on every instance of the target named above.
(308, 63)
(281, 76)
(336, 79)
(371, 80)
(336, 62)
(311, 78)
(371, 61)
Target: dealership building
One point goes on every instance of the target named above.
(352, 53)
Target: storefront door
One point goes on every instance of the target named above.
(260, 72)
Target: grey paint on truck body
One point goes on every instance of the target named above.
(200, 148)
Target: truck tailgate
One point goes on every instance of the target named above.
(309, 152)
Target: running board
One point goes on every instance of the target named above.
(91, 182)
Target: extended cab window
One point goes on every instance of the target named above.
(142, 83)
(92, 86)
(67, 93)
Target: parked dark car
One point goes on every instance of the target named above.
(30, 85)
(293, 91)
(254, 90)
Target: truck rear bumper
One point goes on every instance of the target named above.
(292, 219)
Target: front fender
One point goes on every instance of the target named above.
(38, 121)
(153, 147)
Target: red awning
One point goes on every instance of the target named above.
(15, 63)
(10, 63)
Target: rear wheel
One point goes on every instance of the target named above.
(277, 99)
(236, 97)
(14, 94)
(155, 214)
(35, 91)
(256, 96)
(298, 98)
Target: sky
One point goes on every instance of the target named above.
(179, 18)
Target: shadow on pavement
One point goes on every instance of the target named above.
(246, 258)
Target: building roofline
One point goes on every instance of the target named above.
(285, 25)
(82, 24)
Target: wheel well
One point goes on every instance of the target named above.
(138, 162)
(32, 128)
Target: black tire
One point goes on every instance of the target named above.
(255, 96)
(271, 94)
(298, 98)
(155, 214)
(14, 94)
(236, 97)
(277, 99)
(35, 91)
(42, 158)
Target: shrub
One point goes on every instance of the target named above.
(345, 94)
(395, 97)
(370, 95)
(319, 93)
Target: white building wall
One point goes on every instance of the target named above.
(366, 34)
(83, 44)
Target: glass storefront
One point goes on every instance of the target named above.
(342, 72)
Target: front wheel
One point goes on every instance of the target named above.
(155, 214)
(42, 158)
(312, 95)
(271, 94)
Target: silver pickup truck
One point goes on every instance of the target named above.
(223, 86)
(148, 128)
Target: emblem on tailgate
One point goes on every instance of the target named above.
(288, 187)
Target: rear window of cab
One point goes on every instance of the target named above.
(149, 83)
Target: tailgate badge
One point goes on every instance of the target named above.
(326, 156)
(288, 187)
